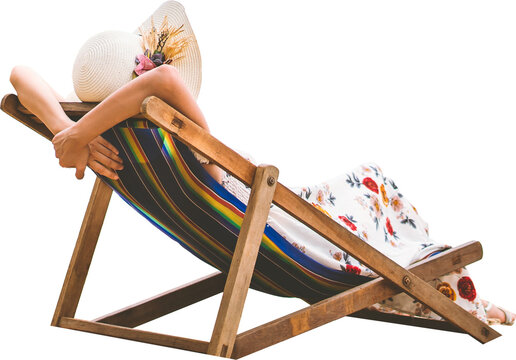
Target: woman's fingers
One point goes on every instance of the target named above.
(79, 173)
(102, 170)
(104, 147)
(105, 160)
(100, 155)
(108, 145)
(80, 168)
(70, 151)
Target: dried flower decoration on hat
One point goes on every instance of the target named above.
(160, 47)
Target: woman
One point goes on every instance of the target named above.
(72, 141)
(78, 145)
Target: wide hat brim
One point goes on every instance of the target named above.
(106, 61)
(190, 66)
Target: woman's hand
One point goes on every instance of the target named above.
(99, 154)
(104, 158)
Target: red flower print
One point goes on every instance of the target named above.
(348, 222)
(353, 269)
(466, 288)
(389, 226)
(370, 184)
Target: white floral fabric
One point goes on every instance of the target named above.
(372, 207)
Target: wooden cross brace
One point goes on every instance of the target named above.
(265, 189)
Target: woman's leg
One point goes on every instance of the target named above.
(496, 313)
(163, 82)
(43, 101)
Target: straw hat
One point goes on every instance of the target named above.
(107, 60)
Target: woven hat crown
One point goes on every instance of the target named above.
(107, 60)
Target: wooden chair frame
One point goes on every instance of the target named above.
(265, 189)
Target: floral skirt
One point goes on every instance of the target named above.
(372, 207)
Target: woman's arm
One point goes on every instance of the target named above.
(38, 97)
(163, 82)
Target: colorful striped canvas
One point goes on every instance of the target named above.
(165, 183)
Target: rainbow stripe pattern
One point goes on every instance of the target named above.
(164, 182)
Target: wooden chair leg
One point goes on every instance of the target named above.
(351, 301)
(184, 129)
(244, 260)
(223, 343)
(83, 252)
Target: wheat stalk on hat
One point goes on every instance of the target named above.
(106, 61)
(160, 47)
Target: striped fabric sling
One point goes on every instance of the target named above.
(164, 182)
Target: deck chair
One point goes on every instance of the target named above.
(164, 182)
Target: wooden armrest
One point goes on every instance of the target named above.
(11, 106)
(74, 110)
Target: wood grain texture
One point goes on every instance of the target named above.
(395, 278)
(243, 262)
(83, 252)
(167, 302)
(197, 138)
(406, 320)
(134, 334)
(75, 110)
(11, 106)
(350, 301)
(187, 131)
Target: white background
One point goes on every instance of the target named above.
(425, 89)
